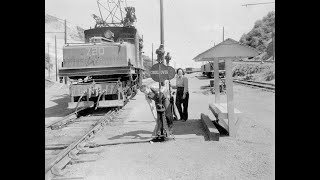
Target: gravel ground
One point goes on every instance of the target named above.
(248, 156)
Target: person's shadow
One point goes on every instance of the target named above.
(191, 126)
(136, 135)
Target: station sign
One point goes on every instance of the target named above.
(166, 72)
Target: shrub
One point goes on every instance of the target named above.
(258, 72)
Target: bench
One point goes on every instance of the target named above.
(220, 111)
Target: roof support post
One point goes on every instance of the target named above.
(230, 104)
(216, 80)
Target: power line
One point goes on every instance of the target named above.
(257, 3)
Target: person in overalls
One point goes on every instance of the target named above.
(151, 94)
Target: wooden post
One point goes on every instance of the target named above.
(55, 44)
(273, 43)
(65, 31)
(49, 61)
(216, 80)
(222, 33)
(230, 105)
(161, 23)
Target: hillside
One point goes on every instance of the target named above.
(147, 63)
(53, 24)
(260, 36)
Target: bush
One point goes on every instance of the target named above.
(264, 72)
(270, 75)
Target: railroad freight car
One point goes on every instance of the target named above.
(189, 70)
(208, 69)
(106, 69)
(192, 70)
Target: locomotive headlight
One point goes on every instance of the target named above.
(108, 34)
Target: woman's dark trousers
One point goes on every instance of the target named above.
(179, 101)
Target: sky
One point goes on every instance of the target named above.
(190, 26)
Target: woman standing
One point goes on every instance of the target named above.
(182, 96)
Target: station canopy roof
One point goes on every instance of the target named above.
(226, 50)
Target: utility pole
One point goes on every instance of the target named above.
(65, 31)
(222, 33)
(161, 22)
(152, 54)
(49, 61)
(55, 42)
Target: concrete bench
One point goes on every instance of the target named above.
(220, 111)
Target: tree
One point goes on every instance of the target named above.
(260, 34)
(47, 62)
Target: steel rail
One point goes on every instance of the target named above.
(64, 118)
(65, 152)
(269, 84)
(254, 84)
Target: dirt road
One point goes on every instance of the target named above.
(248, 156)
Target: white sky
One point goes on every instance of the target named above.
(190, 26)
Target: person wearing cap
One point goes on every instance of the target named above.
(151, 94)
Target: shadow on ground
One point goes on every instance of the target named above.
(203, 77)
(189, 127)
(61, 107)
(136, 135)
(205, 87)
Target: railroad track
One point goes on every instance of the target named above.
(69, 137)
(75, 132)
(63, 121)
(76, 137)
(265, 86)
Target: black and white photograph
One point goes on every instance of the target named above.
(159, 89)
